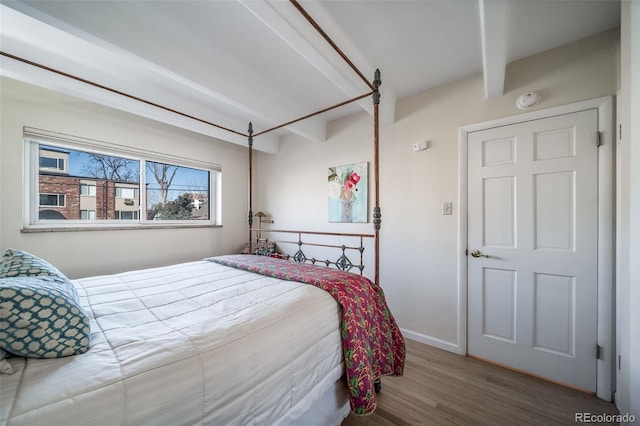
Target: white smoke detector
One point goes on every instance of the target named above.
(527, 100)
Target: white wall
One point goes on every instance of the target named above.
(634, 220)
(86, 253)
(418, 244)
(628, 214)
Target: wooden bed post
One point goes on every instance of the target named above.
(377, 216)
(250, 214)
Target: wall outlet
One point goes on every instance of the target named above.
(447, 208)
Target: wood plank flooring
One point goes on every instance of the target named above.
(442, 388)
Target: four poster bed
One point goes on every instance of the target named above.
(238, 339)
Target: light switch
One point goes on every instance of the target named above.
(447, 208)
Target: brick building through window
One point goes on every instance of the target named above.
(82, 198)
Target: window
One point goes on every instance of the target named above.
(170, 198)
(126, 215)
(53, 160)
(52, 200)
(88, 189)
(87, 215)
(100, 184)
(126, 192)
(51, 163)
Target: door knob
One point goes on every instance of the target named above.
(478, 253)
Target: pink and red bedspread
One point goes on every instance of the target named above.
(372, 343)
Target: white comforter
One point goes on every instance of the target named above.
(194, 343)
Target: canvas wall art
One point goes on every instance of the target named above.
(348, 187)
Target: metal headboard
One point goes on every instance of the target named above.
(342, 260)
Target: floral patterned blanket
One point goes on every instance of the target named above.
(371, 340)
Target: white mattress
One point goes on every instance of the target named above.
(194, 343)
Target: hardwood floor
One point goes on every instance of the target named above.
(442, 388)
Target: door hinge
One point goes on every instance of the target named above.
(598, 138)
(598, 352)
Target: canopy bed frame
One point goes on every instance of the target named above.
(374, 92)
(118, 393)
(250, 135)
(343, 262)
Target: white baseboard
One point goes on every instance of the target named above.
(431, 341)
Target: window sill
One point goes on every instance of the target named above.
(44, 228)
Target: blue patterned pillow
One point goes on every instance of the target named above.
(40, 313)
(18, 263)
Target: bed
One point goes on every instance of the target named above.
(207, 342)
(238, 339)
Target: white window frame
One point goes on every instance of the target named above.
(119, 213)
(119, 189)
(56, 168)
(31, 222)
(64, 198)
(89, 213)
(91, 189)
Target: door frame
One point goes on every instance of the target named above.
(606, 222)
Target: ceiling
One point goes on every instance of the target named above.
(230, 62)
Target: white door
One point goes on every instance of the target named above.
(532, 209)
